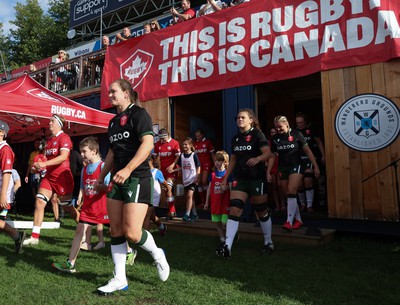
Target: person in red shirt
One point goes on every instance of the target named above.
(168, 152)
(206, 153)
(6, 164)
(58, 178)
(188, 13)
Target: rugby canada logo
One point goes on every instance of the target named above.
(368, 122)
(136, 67)
(36, 92)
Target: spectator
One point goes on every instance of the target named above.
(125, 35)
(210, 7)
(105, 41)
(146, 28)
(155, 26)
(64, 75)
(237, 2)
(188, 13)
(32, 68)
(6, 162)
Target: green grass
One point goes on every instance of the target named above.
(349, 270)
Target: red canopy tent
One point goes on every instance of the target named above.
(27, 107)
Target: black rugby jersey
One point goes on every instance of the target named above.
(245, 146)
(288, 149)
(125, 131)
(310, 134)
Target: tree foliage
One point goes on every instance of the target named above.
(37, 35)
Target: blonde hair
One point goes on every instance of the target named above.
(281, 119)
(222, 155)
(157, 25)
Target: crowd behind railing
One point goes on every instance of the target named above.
(75, 74)
(83, 72)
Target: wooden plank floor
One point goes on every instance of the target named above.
(304, 236)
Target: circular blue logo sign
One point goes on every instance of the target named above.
(367, 122)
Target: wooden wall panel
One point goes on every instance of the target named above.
(341, 170)
(383, 156)
(357, 206)
(159, 111)
(392, 81)
(329, 154)
(348, 196)
(369, 161)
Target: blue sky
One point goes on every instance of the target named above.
(7, 12)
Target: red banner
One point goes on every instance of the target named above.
(256, 42)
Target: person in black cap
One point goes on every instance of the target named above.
(6, 163)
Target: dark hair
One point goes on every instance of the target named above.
(199, 130)
(190, 141)
(302, 115)
(126, 86)
(252, 116)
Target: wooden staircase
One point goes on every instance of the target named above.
(305, 236)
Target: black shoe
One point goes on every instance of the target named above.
(19, 242)
(220, 250)
(226, 253)
(59, 221)
(5, 218)
(268, 249)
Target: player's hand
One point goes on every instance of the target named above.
(121, 176)
(3, 202)
(253, 161)
(316, 172)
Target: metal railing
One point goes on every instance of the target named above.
(76, 74)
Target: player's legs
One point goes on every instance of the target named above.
(41, 200)
(292, 187)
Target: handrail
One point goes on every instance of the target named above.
(79, 73)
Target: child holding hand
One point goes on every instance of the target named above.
(218, 197)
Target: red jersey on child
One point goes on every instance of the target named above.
(94, 208)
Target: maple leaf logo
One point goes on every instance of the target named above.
(136, 67)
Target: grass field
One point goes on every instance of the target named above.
(349, 270)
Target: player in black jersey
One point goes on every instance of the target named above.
(131, 141)
(250, 151)
(288, 144)
(306, 189)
